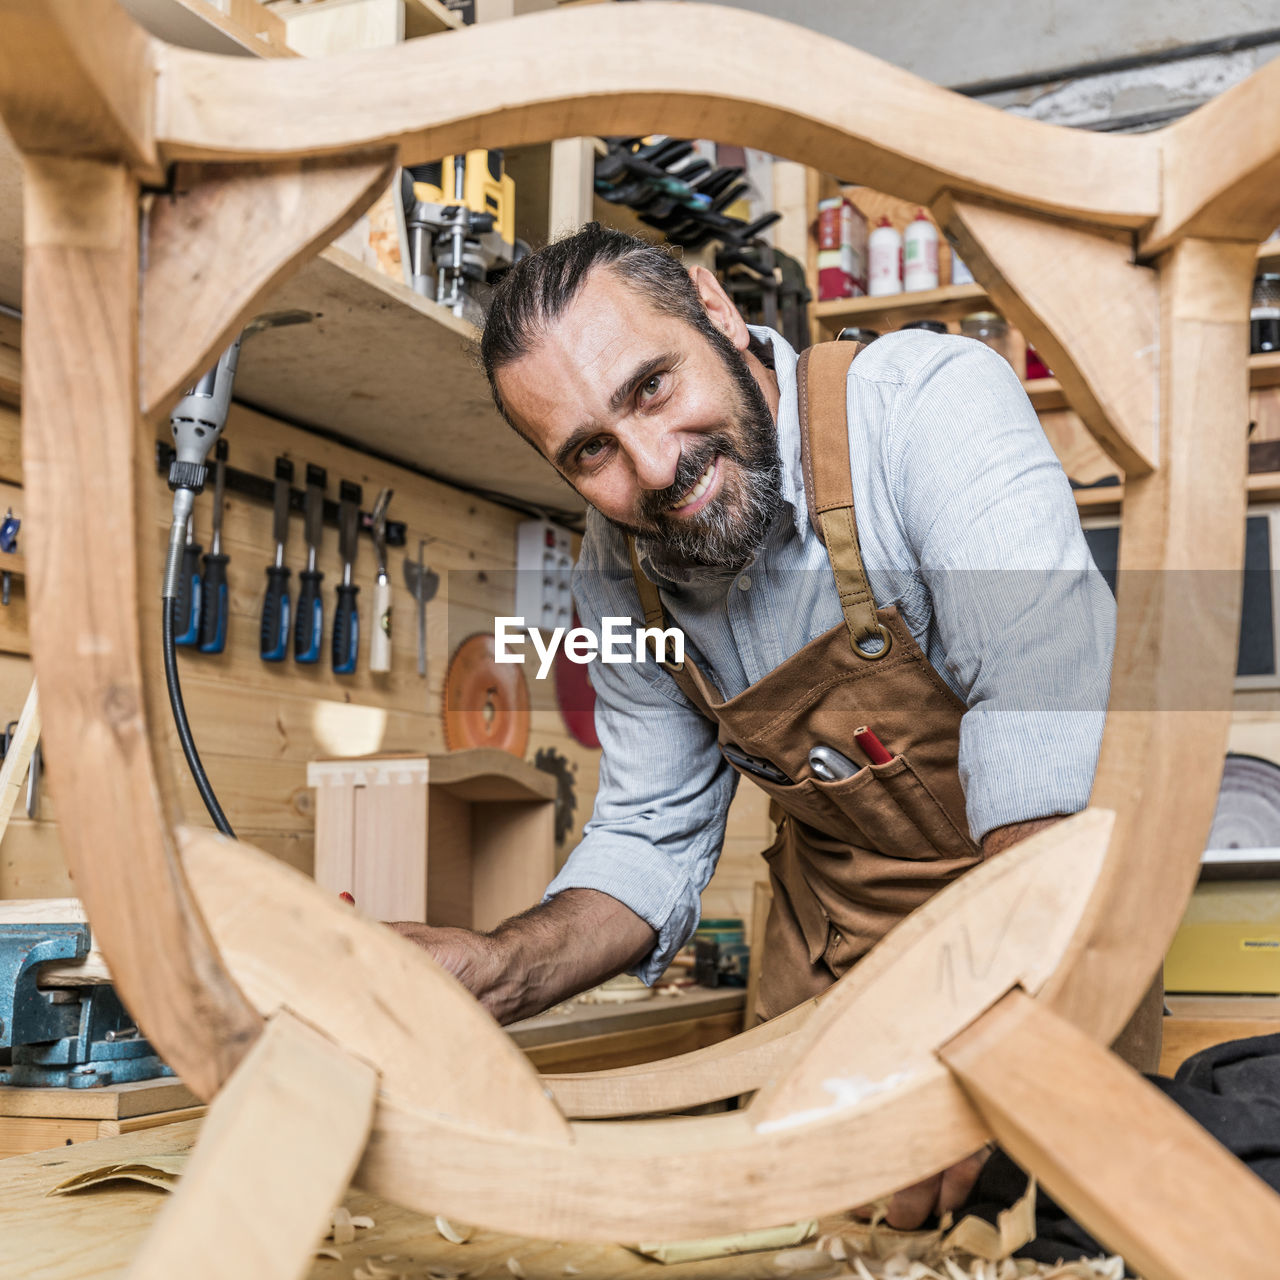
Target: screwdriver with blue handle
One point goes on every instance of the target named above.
(308, 631)
(274, 643)
(187, 606)
(346, 618)
(213, 594)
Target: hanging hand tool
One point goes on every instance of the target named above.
(380, 632)
(213, 593)
(9, 527)
(422, 583)
(275, 604)
(187, 607)
(308, 634)
(346, 617)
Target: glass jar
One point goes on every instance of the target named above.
(987, 327)
(853, 334)
(929, 326)
(1264, 314)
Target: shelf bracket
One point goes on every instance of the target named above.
(1086, 307)
(222, 238)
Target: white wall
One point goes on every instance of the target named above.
(955, 42)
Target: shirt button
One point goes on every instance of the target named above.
(744, 582)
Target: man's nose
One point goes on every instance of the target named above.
(655, 457)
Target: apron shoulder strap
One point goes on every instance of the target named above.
(655, 616)
(821, 377)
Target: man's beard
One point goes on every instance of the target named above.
(728, 531)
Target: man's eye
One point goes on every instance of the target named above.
(651, 386)
(591, 449)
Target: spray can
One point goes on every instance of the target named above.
(884, 261)
(920, 254)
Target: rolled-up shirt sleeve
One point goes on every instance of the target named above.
(1025, 619)
(658, 825)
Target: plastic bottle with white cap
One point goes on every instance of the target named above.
(884, 261)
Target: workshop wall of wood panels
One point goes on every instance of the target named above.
(257, 724)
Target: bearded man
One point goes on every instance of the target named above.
(882, 543)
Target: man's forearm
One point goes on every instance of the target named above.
(556, 949)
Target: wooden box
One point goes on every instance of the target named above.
(466, 838)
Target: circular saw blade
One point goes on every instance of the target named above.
(1248, 813)
(486, 704)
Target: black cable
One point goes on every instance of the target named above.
(168, 607)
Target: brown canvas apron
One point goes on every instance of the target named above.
(851, 857)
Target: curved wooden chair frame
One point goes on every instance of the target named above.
(1127, 261)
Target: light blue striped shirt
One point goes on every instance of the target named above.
(966, 522)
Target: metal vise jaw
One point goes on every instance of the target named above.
(63, 1037)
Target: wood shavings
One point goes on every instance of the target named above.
(571, 1270)
(155, 1171)
(341, 1228)
(835, 1246)
(454, 1233)
(513, 1265)
(805, 1262)
(437, 1271)
(328, 1251)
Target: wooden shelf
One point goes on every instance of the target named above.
(1269, 255)
(200, 24)
(378, 367)
(1046, 393)
(1262, 486)
(924, 304)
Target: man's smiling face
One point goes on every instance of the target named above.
(663, 429)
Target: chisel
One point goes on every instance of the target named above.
(213, 595)
(380, 631)
(274, 643)
(187, 606)
(308, 634)
(346, 617)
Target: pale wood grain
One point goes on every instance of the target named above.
(275, 1154)
(1167, 1196)
(1052, 281)
(1007, 922)
(193, 301)
(292, 944)
(1181, 550)
(81, 278)
(559, 69)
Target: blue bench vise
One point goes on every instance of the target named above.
(63, 1037)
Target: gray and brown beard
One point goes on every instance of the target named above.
(729, 530)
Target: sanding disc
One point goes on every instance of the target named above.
(1248, 813)
(486, 703)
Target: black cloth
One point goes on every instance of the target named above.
(1232, 1090)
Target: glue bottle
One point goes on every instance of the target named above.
(884, 261)
(920, 254)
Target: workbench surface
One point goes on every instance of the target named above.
(95, 1233)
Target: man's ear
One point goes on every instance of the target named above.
(719, 307)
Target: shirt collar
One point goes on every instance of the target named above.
(791, 484)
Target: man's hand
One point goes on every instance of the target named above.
(945, 1192)
(467, 955)
(547, 954)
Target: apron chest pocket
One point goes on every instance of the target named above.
(898, 815)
